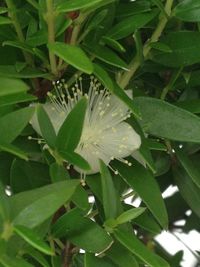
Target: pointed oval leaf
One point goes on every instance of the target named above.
(185, 46)
(188, 189)
(188, 165)
(82, 231)
(75, 159)
(73, 55)
(12, 86)
(13, 123)
(109, 193)
(188, 10)
(143, 182)
(91, 260)
(33, 239)
(133, 244)
(162, 119)
(46, 126)
(13, 150)
(72, 5)
(131, 24)
(70, 132)
(30, 208)
(129, 215)
(107, 55)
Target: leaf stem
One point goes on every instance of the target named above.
(135, 63)
(50, 19)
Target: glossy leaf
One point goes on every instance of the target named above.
(7, 261)
(75, 159)
(91, 260)
(82, 231)
(170, 122)
(185, 49)
(13, 150)
(13, 123)
(109, 193)
(72, 55)
(143, 182)
(33, 239)
(188, 10)
(12, 86)
(46, 127)
(70, 132)
(188, 189)
(129, 215)
(5, 20)
(121, 256)
(11, 99)
(29, 208)
(128, 25)
(72, 5)
(138, 248)
(107, 55)
(188, 165)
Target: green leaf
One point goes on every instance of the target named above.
(106, 55)
(147, 222)
(188, 10)
(129, 215)
(27, 48)
(70, 132)
(82, 231)
(37, 256)
(58, 173)
(5, 20)
(72, 5)
(46, 127)
(188, 165)
(113, 44)
(185, 46)
(110, 199)
(30, 208)
(139, 249)
(72, 55)
(162, 119)
(132, 8)
(75, 159)
(13, 150)
(121, 256)
(143, 182)
(129, 25)
(7, 261)
(192, 105)
(12, 86)
(27, 175)
(10, 71)
(92, 260)
(13, 123)
(33, 239)
(10, 99)
(80, 198)
(143, 152)
(161, 47)
(188, 189)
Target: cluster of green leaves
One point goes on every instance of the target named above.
(46, 215)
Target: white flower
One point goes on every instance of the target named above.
(105, 133)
